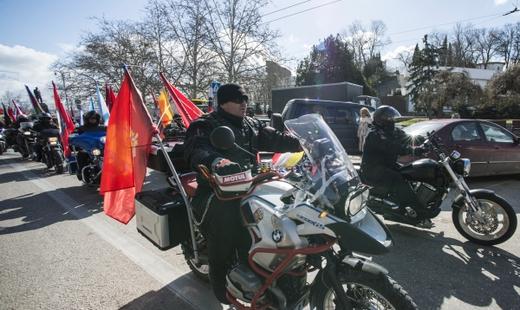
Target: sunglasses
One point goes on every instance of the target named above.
(242, 99)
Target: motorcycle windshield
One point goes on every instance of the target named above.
(328, 157)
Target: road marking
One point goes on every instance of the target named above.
(190, 290)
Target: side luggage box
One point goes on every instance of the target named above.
(162, 218)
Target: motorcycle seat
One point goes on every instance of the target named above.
(189, 182)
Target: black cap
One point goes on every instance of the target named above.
(231, 92)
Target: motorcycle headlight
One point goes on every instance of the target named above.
(103, 140)
(96, 152)
(356, 202)
(26, 133)
(462, 166)
(53, 139)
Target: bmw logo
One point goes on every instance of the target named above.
(277, 235)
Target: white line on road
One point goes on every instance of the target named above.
(191, 291)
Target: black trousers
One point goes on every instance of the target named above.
(394, 182)
(227, 237)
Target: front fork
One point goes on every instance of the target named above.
(462, 186)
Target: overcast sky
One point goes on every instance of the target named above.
(33, 34)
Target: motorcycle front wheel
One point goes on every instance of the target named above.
(365, 291)
(58, 161)
(495, 222)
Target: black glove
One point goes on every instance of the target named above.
(226, 167)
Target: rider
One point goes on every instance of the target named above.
(44, 122)
(379, 167)
(222, 224)
(91, 122)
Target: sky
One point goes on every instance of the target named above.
(34, 34)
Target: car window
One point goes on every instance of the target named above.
(332, 114)
(465, 132)
(496, 134)
(422, 128)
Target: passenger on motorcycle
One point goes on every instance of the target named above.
(44, 122)
(91, 122)
(379, 167)
(222, 223)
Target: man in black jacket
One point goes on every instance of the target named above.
(222, 222)
(379, 167)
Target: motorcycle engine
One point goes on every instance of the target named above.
(425, 193)
(243, 283)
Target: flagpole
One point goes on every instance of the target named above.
(183, 194)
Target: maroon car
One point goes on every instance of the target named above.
(492, 149)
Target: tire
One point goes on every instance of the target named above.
(497, 201)
(384, 286)
(201, 272)
(58, 162)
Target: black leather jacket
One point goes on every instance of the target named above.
(249, 132)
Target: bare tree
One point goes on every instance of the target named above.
(508, 45)
(241, 42)
(365, 42)
(463, 45)
(186, 25)
(486, 43)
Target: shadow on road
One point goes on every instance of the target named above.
(34, 211)
(434, 268)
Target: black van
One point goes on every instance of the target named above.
(341, 116)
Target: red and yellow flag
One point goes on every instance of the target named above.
(67, 123)
(128, 139)
(165, 108)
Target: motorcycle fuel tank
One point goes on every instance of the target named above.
(423, 170)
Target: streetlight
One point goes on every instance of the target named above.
(69, 104)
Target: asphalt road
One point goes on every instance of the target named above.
(59, 251)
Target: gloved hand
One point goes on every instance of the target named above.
(224, 166)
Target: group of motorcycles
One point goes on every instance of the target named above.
(310, 219)
(312, 222)
(86, 157)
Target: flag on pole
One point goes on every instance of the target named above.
(67, 125)
(81, 123)
(10, 112)
(110, 97)
(185, 108)
(128, 139)
(7, 119)
(92, 105)
(36, 105)
(166, 116)
(103, 109)
(17, 108)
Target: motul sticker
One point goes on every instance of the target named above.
(234, 178)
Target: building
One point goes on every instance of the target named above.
(478, 76)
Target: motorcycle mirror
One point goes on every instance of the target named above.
(222, 138)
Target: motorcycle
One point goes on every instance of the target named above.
(51, 149)
(292, 234)
(87, 155)
(480, 215)
(3, 141)
(25, 139)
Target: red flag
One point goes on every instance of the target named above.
(67, 123)
(128, 139)
(110, 97)
(10, 112)
(19, 110)
(187, 109)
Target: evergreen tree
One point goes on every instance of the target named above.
(422, 72)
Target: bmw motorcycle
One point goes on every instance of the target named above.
(87, 155)
(292, 231)
(52, 150)
(480, 215)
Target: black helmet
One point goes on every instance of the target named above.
(89, 115)
(384, 117)
(45, 117)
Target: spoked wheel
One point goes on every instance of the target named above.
(364, 291)
(494, 223)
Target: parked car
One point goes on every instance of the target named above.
(492, 149)
(341, 116)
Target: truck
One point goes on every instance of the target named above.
(343, 91)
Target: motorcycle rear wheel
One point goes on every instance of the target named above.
(202, 270)
(497, 209)
(365, 291)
